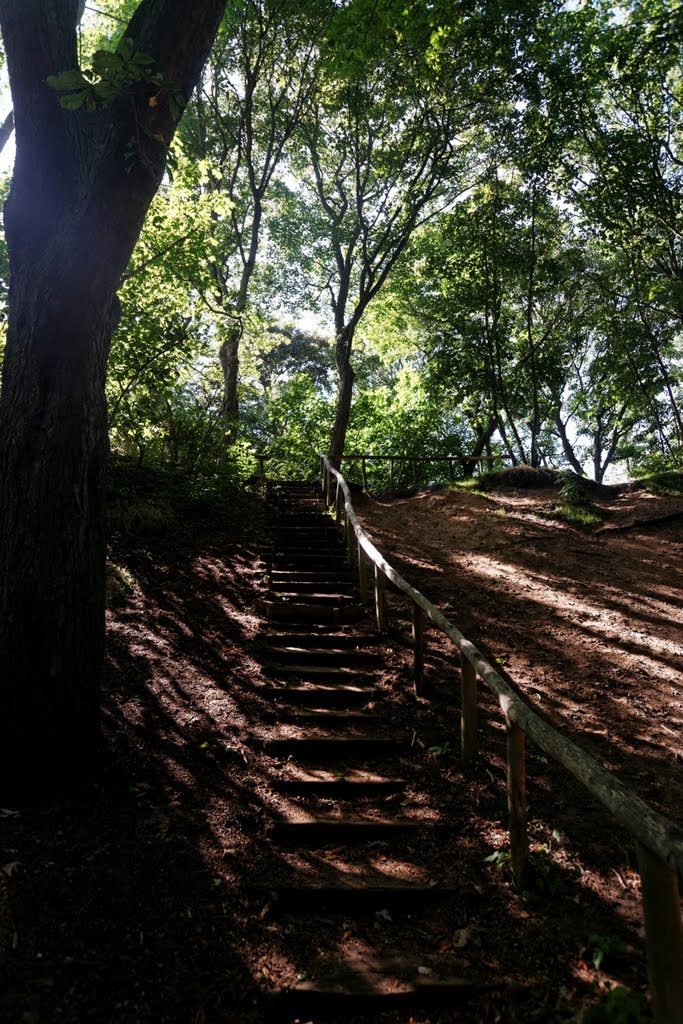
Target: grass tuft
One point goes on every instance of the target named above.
(665, 484)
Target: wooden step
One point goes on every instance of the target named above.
(284, 562)
(305, 514)
(307, 559)
(318, 673)
(277, 611)
(335, 748)
(321, 637)
(352, 784)
(311, 576)
(343, 997)
(295, 588)
(359, 898)
(305, 537)
(325, 832)
(335, 656)
(317, 694)
(311, 594)
(298, 715)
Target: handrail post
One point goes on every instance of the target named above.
(364, 474)
(328, 491)
(391, 476)
(350, 538)
(380, 600)
(469, 711)
(418, 648)
(339, 494)
(519, 839)
(362, 574)
(663, 936)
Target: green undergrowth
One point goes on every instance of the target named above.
(576, 505)
(511, 478)
(619, 1006)
(517, 477)
(155, 499)
(665, 484)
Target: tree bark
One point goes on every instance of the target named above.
(345, 394)
(228, 355)
(484, 435)
(82, 185)
(567, 448)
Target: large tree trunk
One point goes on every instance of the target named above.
(52, 540)
(78, 200)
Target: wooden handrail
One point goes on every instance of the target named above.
(654, 834)
(419, 458)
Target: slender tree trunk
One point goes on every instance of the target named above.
(503, 433)
(229, 353)
(567, 448)
(345, 393)
(597, 449)
(535, 425)
(6, 129)
(229, 359)
(484, 435)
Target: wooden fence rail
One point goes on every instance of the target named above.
(659, 841)
(260, 458)
(464, 460)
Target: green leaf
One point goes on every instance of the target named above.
(104, 62)
(106, 91)
(126, 48)
(73, 100)
(142, 59)
(66, 80)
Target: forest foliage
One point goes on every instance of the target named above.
(433, 229)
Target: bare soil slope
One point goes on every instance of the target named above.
(589, 626)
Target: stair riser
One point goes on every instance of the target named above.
(333, 749)
(324, 674)
(313, 613)
(318, 834)
(340, 790)
(334, 697)
(285, 561)
(323, 600)
(340, 1005)
(360, 901)
(337, 659)
(313, 637)
(315, 587)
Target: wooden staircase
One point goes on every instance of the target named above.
(346, 822)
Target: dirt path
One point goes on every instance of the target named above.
(131, 900)
(588, 626)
